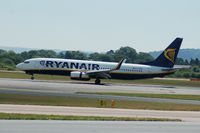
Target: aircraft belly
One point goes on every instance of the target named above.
(127, 76)
(51, 72)
(137, 76)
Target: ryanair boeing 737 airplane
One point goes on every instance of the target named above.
(85, 70)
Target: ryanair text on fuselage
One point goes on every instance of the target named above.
(69, 65)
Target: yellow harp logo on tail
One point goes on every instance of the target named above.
(170, 54)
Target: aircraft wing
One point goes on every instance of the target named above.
(105, 73)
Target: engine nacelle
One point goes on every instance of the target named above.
(77, 75)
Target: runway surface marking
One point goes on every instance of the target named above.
(112, 112)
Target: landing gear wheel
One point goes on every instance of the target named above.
(32, 77)
(97, 81)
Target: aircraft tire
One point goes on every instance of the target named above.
(32, 77)
(97, 81)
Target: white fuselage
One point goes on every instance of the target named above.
(56, 66)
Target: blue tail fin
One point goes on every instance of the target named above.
(168, 57)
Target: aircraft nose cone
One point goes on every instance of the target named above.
(19, 66)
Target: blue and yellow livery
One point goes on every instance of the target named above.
(85, 70)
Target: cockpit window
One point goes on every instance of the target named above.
(26, 62)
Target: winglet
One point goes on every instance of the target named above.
(119, 65)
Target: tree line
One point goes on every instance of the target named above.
(192, 62)
(8, 59)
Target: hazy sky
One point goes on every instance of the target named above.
(99, 25)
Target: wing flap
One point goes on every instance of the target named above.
(105, 73)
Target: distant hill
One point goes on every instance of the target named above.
(16, 49)
(183, 53)
(19, 49)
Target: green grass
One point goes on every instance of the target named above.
(84, 102)
(12, 116)
(160, 82)
(169, 96)
(20, 75)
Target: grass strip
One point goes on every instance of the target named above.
(20, 75)
(159, 82)
(86, 102)
(167, 96)
(13, 116)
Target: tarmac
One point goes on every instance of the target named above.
(192, 116)
(70, 89)
(46, 126)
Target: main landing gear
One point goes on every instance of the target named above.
(97, 81)
(32, 77)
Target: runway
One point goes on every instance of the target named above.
(38, 126)
(73, 87)
(109, 112)
(70, 89)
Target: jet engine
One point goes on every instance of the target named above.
(77, 75)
